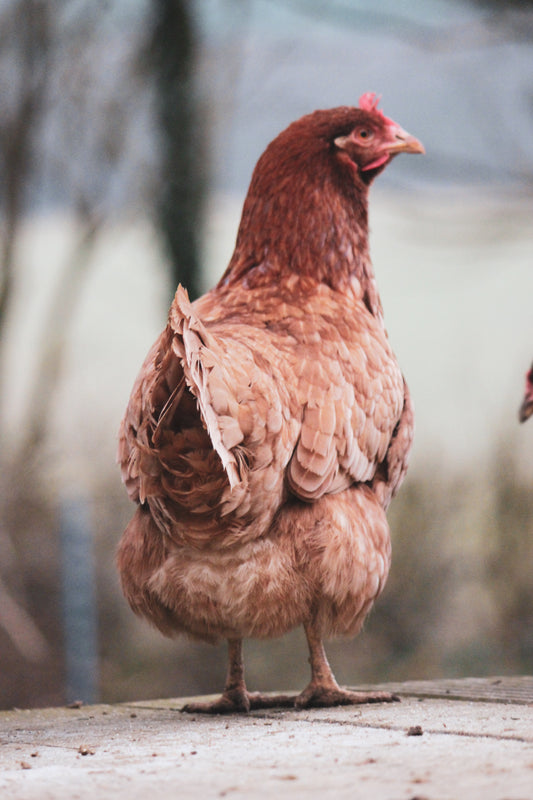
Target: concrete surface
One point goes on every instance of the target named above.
(444, 741)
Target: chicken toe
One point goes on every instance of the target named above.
(230, 702)
(318, 696)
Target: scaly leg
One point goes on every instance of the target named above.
(235, 697)
(323, 690)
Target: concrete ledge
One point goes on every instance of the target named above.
(446, 740)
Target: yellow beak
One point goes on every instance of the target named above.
(403, 142)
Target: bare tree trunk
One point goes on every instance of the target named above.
(181, 200)
(31, 26)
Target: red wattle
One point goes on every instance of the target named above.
(377, 163)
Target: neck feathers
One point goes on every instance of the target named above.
(305, 219)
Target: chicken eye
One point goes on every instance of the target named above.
(364, 133)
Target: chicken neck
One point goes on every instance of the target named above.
(316, 229)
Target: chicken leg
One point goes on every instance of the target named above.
(323, 690)
(235, 697)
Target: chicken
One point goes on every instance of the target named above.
(270, 424)
(526, 409)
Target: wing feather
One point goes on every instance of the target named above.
(352, 401)
(201, 357)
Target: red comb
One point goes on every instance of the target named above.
(369, 102)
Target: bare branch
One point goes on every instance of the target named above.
(20, 628)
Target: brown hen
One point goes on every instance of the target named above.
(270, 425)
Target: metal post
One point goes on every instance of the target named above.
(79, 601)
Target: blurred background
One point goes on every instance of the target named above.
(128, 133)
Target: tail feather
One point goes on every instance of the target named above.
(200, 353)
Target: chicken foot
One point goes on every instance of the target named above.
(323, 690)
(236, 698)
